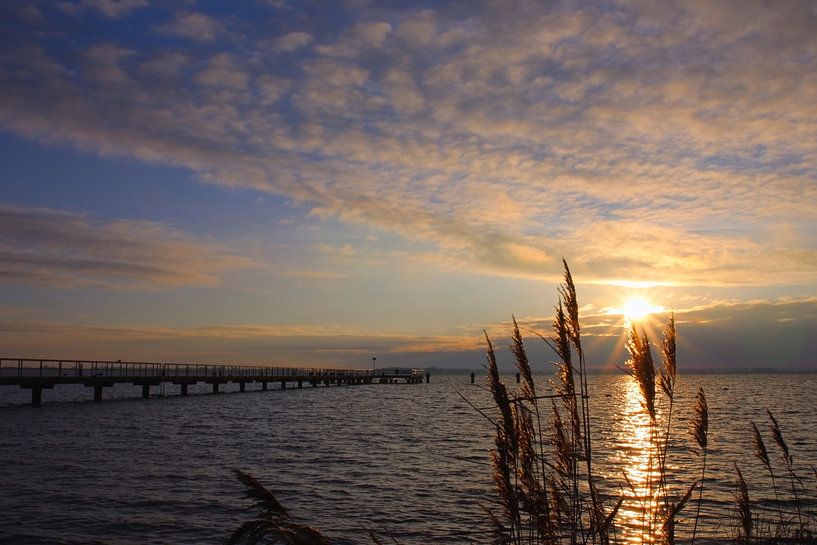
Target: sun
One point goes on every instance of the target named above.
(638, 308)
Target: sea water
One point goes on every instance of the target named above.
(406, 461)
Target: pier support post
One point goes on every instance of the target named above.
(145, 391)
(428, 378)
(264, 386)
(242, 386)
(184, 388)
(472, 377)
(300, 384)
(36, 396)
(283, 385)
(97, 392)
(215, 387)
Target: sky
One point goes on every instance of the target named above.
(322, 182)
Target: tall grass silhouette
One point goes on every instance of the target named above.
(543, 466)
(542, 459)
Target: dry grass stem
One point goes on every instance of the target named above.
(668, 351)
(272, 519)
(744, 510)
(700, 420)
(518, 349)
(700, 432)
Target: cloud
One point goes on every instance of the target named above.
(357, 39)
(103, 63)
(271, 88)
(55, 248)
(222, 72)
(672, 144)
(109, 8)
(257, 344)
(166, 64)
(193, 25)
(737, 335)
(292, 41)
(719, 335)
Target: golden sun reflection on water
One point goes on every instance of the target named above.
(638, 464)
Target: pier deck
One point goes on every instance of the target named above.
(40, 374)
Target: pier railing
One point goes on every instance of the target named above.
(47, 368)
(39, 374)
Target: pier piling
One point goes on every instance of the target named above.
(36, 375)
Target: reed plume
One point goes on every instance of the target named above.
(566, 386)
(517, 347)
(567, 292)
(272, 520)
(674, 509)
(642, 369)
(777, 436)
(743, 508)
(668, 351)
(563, 447)
(568, 443)
(759, 448)
(700, 431)
(700, 420)
(533, 492)
(504, 455)
(667, 383)
(761, 453)
(568, 295)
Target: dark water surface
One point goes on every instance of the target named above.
(408, 461)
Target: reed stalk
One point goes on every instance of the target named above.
(700, 431)
(641, 368)
(272, 520)
(667, 383)
(743, 508)
(761, 453)
(503, 457)
(568, 295)
(777, 436)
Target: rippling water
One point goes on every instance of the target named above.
(408, 461)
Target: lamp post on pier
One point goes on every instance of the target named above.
(373, 362)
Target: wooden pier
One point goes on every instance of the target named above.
(38, 375)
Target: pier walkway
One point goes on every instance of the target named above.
(38, 375)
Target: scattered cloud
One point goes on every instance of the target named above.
(58, 249)
(671, 145)
(721, 335)
(221, 71)
(357, 39)
(292, 41)
(109, 8)
(193, 25)
(330, 346)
